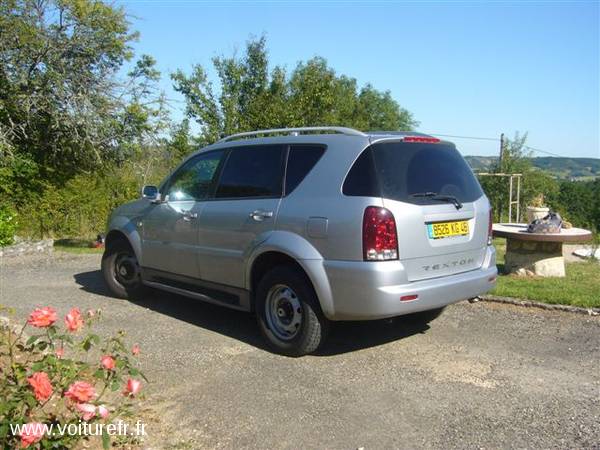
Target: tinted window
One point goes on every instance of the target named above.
(404, 169)
(255, 171)
(301, 160)
(361, 180)
(193, 180)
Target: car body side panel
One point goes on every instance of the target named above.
(227, 232)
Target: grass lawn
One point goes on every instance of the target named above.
(581, 286)
(76, 246)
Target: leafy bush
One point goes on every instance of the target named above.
(60, 376)
(8, 225)
(81, 207)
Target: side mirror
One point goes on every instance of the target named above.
(150, 193)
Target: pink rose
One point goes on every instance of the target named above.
(80, 392)
(103, 411)
(135, 350)
(73, 320)
(59, 352)
(42, 317)
(40, 383)
(108, 362)
(132, 387)
(31, 433)
(87, 411)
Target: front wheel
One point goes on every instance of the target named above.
(121, 271)
(288, 312)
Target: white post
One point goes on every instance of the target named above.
(518, 198)
(510, 189)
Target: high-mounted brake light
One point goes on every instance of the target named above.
(490, 232)
(380, 240)
(421, 139)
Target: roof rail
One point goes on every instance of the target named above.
(295, 131)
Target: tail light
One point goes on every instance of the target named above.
(490, 228)
(380, 240)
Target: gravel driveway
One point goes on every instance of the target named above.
(482, 376)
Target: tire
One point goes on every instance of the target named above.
(121, 271)
(288, 312)
(425, 317)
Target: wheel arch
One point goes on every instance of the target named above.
(124, 229)
(288, 248)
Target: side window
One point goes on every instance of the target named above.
(361, 180)
(253, 171)
(301, 160)
(193, 180)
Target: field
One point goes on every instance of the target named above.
(581, 169)
(581, 287)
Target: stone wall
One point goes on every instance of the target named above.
(27, 248)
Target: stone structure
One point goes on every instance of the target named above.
(538, 254)
(27, 248)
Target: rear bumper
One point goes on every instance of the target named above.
(372, 290)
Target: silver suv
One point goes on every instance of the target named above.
(309, 225)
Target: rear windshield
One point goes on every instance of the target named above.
(398, 170)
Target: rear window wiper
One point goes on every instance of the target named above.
(444, 198)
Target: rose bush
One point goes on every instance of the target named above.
(60, 375)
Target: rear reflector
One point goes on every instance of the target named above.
(408, 298)
(421, 139)
(380, 241)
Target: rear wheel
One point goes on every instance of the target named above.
(288, 312)
(121, 270)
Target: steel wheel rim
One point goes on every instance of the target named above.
(126, 270)
(283, 311)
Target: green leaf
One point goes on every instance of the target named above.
(105, 439)
(31, 401)
(31, 340)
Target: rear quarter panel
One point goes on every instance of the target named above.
(319, 196)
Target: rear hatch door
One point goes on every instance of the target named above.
(440, 210)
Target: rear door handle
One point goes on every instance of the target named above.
(189, 215)
(259, 215)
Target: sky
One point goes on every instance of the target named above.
(463, 68)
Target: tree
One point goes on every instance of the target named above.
(251, 98)
(575, 201)
(62, 107)
(180, 143)
(517, 159)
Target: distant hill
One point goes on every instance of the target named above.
(562, 168)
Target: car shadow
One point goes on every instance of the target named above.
(344, 337)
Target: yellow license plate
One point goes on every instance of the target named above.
(446, 229)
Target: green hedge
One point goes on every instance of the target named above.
(8, 225)
(82, 206)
